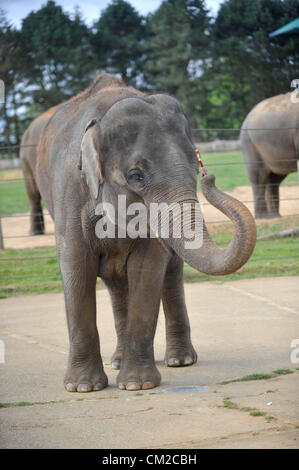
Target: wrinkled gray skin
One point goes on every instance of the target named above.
(87, 149)
(270, 155)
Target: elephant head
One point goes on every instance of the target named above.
(142, 148)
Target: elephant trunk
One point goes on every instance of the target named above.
(209, 258)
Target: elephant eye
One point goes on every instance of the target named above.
(135, 175)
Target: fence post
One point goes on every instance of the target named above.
(1, 236)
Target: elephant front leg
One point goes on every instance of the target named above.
(179, 349)
(85, 371)
(146, 270)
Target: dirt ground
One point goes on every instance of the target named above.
(17, 227)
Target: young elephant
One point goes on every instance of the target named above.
(112, 140)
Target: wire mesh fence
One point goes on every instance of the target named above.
(203, 134)
(13, 150)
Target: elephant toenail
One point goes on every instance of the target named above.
(70, 387)
(188, 361)
(172, 362)
(147, 385)
(122, 386)
(83, 388)
(133, 386)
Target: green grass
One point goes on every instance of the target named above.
(38, 273)
(258, 376)
(230, 176)
(13, 404)
(247, 409)
(227, 403)
(257, 413)
(283, 371)
(270, 418)
(52, 402)
(13, 198)
(248, 378)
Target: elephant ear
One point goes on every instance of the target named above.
(90, 163)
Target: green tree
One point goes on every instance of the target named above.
(247, 65)
(58, 53)
(176, 47)
(11, 68)
(117, 38)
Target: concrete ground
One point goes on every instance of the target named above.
(238, 328)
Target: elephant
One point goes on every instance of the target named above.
(107, 141)
(270, 145)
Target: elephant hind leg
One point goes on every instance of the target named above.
(179, 349)
(272, 194)
(118, 290)
(258, 174)
(37, 226)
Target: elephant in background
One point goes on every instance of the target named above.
(270, 144)
(107, 141)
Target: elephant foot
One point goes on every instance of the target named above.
(180, 356)
(85, 379)
(138, 377)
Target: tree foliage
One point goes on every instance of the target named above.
(218, 67)
(246, 64)
(117, 39)
(58, 53)
(176, 47)
(11, 68)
